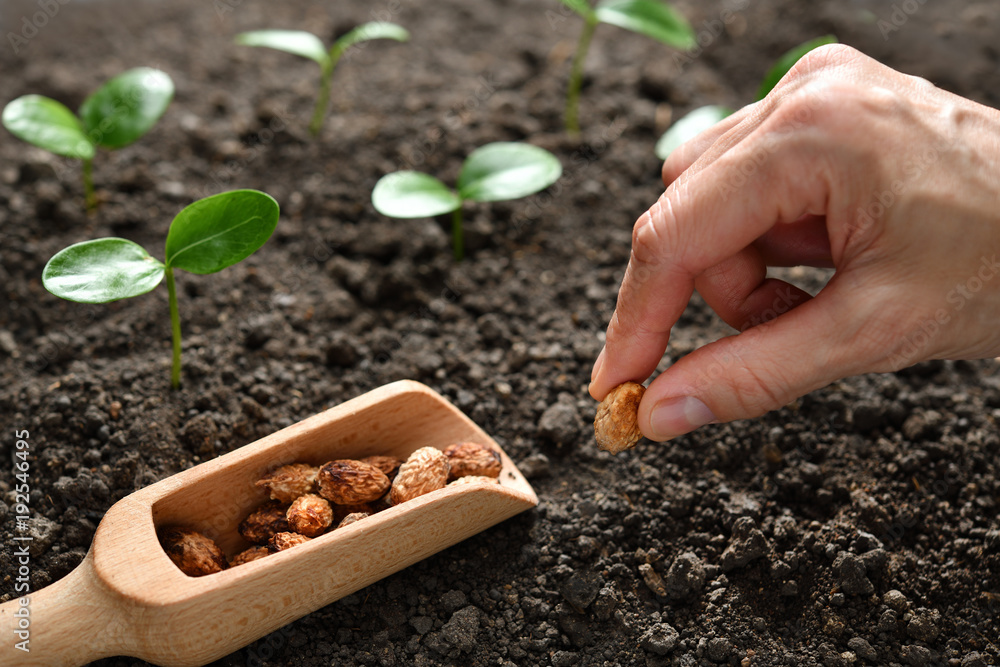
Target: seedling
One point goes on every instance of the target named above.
(308, 45)
(702, 118)
(205, 237)
(651, 18)
(494, 172)
(117, 114)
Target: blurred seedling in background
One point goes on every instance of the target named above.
(308, 45)
(697, 121)
(495, 172)
(117, 114)
(651, 18)
(205, 237)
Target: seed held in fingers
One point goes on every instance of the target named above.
(616, 424)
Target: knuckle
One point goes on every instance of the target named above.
(820, 58)
(653, 235)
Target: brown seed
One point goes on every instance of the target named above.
(340, 511)
(289, 482)
(389, 465)
(195, 554)
(115, 409)
(264, 522)
(616, 425)
(472, 458)
(351, 518)
(283, 541)
(424, 471)
(349, 482)
(251, 554)
(309, 515)
(474, 479)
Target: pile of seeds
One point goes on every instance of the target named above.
(307, 501)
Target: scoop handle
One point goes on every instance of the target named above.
(72, 622)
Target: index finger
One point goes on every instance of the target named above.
(708, 215)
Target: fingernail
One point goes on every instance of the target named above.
(597, 365)
(677, 416)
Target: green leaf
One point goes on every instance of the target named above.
(297, 42)
(507, 170)
(650, 18)
(101, 270)
(221, 230)
(369, 31)
(412, 194)
(126, 107)
(581, 7)
(688, 127)
(787, 61)
(45, 123)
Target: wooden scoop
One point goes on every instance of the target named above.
(128, 598)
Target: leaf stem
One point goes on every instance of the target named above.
(323, 99)
(457, 242)
(576, 77)
(89, 197)
(175, 326)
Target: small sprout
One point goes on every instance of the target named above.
(494, 172)
(205, 237)
(117, 114)
(308, 45)
(703, 118)
(651, 18)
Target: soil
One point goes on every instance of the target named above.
(858, 525)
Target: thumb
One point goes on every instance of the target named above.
(761, 369)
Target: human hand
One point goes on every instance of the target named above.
(846, 164)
